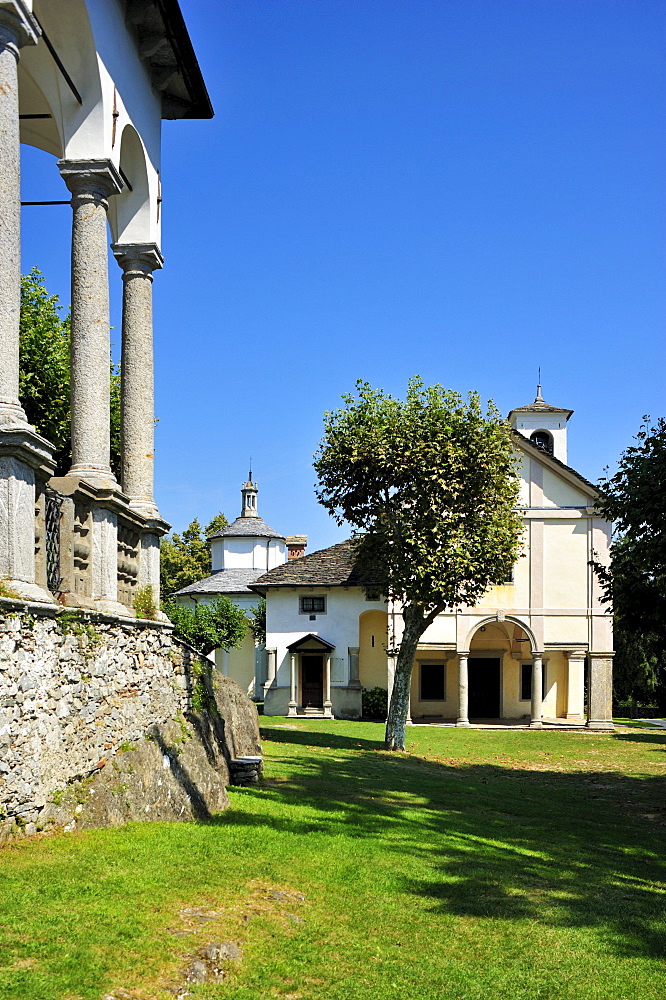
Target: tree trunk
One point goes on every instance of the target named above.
(416, 622)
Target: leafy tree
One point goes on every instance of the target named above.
(218, 625)
(44, 372)
(185, 558)
(258, 622)
(432, 483)
(635, 584)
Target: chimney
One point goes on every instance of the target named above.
(296, 545)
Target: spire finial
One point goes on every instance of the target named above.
(539, 397)
(249, 478)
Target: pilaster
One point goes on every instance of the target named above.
(600, 692)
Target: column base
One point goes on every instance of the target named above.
(463, 723)
(13, 418)
(113, 608)
(31, 592)
(328, 710)
(97, 476)
(536, 724)
(291, 713)
(601, 727)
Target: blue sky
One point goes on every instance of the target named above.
(464, 190)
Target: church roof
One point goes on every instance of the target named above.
(225, 581)
(540, 406)
(244, 527)
(332, 567)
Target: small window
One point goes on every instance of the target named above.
(543, 440)
(313, 605)
(433, 682)
(526, 682)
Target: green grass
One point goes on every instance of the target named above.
(483, 864)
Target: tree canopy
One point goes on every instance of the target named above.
(185, 558)
(218, 625)
(432, 484)
(45, 374)
(634, 498)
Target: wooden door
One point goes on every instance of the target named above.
(312, 680)
(484, 687)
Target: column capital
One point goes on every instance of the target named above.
(96, 178)
(142, 257)
(18, 27)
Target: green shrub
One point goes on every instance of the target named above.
(144, 603)
(375, 703)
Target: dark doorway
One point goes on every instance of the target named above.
(312, 679)
(484, 688)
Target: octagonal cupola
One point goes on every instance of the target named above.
(248, 543)
(544, 425)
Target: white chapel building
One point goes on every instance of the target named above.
(538, 647)
(241, 553)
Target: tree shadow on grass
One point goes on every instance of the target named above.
(574, 849)
(331, 741)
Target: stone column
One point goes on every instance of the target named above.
(91, 182)
(354, 681)
(575, 683)
(17, 28)
(271, 664)
(600, 692)
(138, 262)
(23, 453)
(537, 692)
(463, 690)
(328, 705)
(293, 665)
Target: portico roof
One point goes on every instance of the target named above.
(165, 47)
(310, 637)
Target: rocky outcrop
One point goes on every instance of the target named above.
(102, 722)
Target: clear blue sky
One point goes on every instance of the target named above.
(461, 189)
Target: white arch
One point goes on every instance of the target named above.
(495, 620)
(129, 211)
(74, 129)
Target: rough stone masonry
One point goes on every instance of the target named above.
(76, 690)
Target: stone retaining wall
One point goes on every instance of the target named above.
(74, 689)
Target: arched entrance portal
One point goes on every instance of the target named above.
(499, 669)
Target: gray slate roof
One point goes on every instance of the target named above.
(541, 406)
(243, 527)
(332, 567)
(225, 581)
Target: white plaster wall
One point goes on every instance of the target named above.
(247, 553)
(565, 563)
(559, 493)
(340, 624)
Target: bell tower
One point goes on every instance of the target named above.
(249, 492)
(544, 425)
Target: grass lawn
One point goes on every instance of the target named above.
(483, 864)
